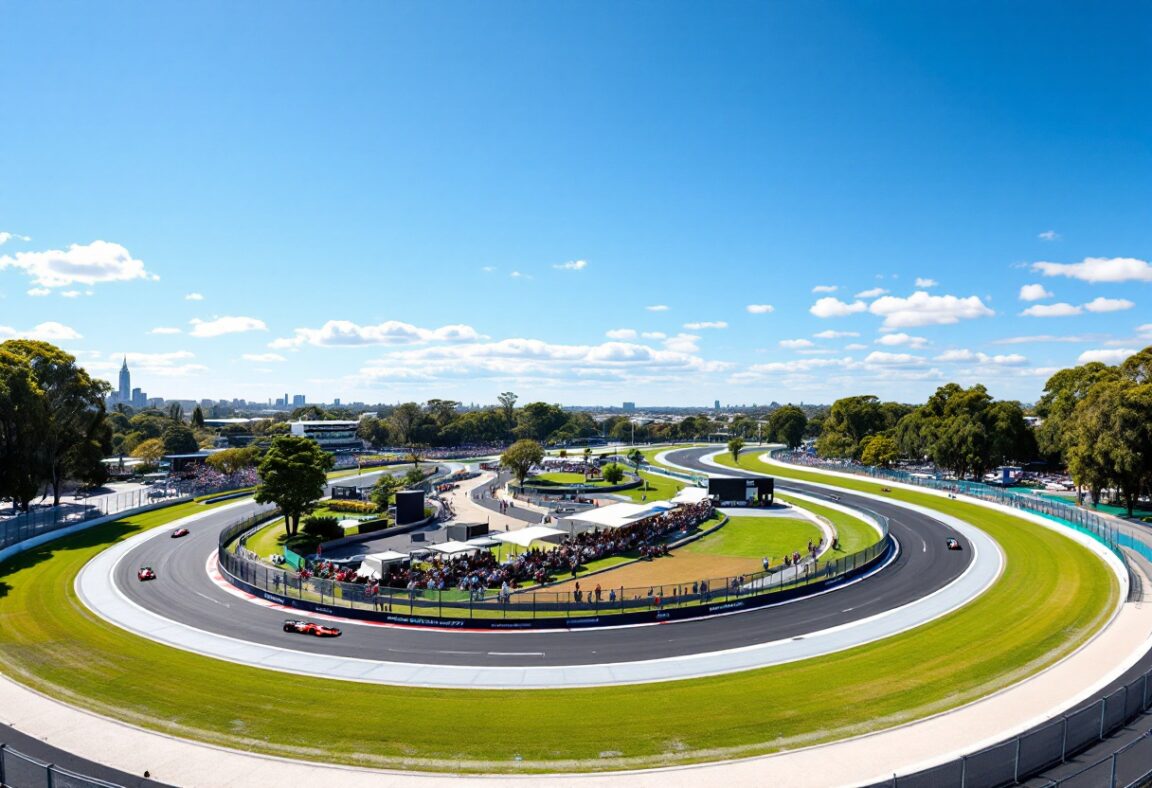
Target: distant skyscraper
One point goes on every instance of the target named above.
(717, 405)
(125, 383)
(629, 406)
(297, 400)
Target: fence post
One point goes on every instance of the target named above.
(2, 748)
(1064, 742)
(963, 771)
(1144, 705)
(48, 773)
(1112, 779)
(1016, 764)
(1103, 709)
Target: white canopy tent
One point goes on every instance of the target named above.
(372, 565)
(618, 515)
(483, 541)
(690, 495)
(454, 548)
(533, 533)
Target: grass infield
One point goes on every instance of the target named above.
(1053, 595)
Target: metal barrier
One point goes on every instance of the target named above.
(23, 771)
(481, 604)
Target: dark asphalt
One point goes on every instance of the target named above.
(184, 593)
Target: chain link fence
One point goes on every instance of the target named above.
(23, 771)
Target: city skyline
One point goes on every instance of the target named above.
(646, 203)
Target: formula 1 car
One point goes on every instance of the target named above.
(953, 544)
(179, 532)
(311, 628)
(146, 573)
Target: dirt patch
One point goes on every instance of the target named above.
(683, 568)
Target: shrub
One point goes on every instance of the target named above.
(323, 527)
(353, 507)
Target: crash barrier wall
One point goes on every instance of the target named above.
(1053, 743)
(574, 489)
(1078, 517)
(453, 608)
(23, 771)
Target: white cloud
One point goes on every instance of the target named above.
(71, 294)
(705, 324)
(1100, 269)
(86, 264)
(830, 334)
(1101, 304)
(572, 265)
(1049, 235)
(262, 358)
(1034, 293)
(1027, 340)
(760, 309)
(825, 288)
(193, 297)
(925, 309)
(225, 325)
(519, 275)
(882, 359)
(965, 355)
(654, 335)
(165, 330)
(6, 237)
(895, 340)
(488, 269)
(798, 365)
(834, 307)
(855, 346)
(1052, 310)
(1144, 330)
(345, 333)
(621, 333)
(795, 344)
(657, 308)
(925, 282)
(683, 343)
(1113, 356)
(39, 292)
(50, 331)
(873, 293)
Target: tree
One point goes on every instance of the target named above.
(230, 461)
(383, 490)
(508, 408)
(293, 475)
(787, 425)
(23, 418)
(880, 450)
(849, 421)
(73, 406)
(179, 439)
(176, 412)
(413, 477)
(636, 457)
(1112, 439)
(151, 451)
(613, 473)
(1062, 393)
(404, 421)
(539, 420)
(198, 418)
(521, 457)
(735, 445)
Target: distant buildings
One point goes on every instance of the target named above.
(298, 400)
(125, 394)
(629, 407)
(332, 436)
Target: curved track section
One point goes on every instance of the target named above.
(184, 609)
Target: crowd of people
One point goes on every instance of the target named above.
(475, 572)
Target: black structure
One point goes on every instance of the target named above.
(740, 491)
(350, 492)
(409, 506)
(462, 532)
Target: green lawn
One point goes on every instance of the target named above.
(756, 537)
(1053, 596)
(659, 488)
(564, 479)
(854, 534)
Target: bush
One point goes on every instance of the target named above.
(352, 507)
(324, 528)
(302, 544)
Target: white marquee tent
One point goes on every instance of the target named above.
(372, 565)
(533, 533)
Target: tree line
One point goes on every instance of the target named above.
(1094, 419)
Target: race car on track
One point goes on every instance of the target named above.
(179, 532)
(953, 543)
(146, 573)
(311, 628)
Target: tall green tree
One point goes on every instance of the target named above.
(520, 458)
(880, 450)
(293, 475)
(198, 418)
(404, 422)
(1062, 393)
(787, 425)
(507, 402)
(735, 446)
(383, 490)
(23, 418)
(74, 407)
(179, 439)
(230, 461)
(613, 473)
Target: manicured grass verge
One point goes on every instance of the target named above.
(854, 534)
(660, 488)
(756, 537)
(1053, 595)
(563, 480)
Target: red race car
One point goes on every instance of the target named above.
(146, 573)
(179, 532)
(953, 544)
(311, 628)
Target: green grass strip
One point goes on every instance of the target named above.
(1053, 595)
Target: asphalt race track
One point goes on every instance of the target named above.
(183, 592)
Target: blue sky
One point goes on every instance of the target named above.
(583, 203)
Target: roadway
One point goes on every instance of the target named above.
(185, 593)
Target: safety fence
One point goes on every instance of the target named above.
(1080, 518)
(23, 771)
(595, 600)
(73, 511)
(1053, 743)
